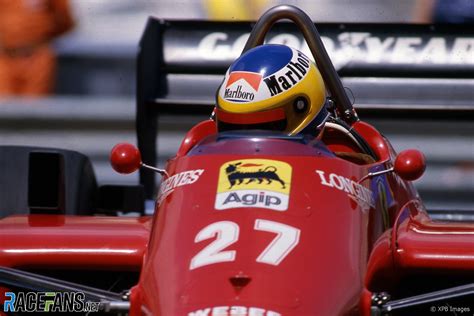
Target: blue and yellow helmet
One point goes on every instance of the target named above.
(272, 87)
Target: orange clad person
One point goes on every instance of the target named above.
(27, 27)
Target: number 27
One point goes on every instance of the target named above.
(228, 233)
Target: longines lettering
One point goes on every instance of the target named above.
(360, 193)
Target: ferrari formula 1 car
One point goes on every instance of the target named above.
(245, 223)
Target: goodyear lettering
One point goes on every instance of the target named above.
(233, 311)
(177, 180)
(358, 192)
(238, 94)
(295, 71)
(356, 46)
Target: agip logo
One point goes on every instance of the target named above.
(262, 183)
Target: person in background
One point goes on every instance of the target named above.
(235, 10)
(27, 28)
(444, 11)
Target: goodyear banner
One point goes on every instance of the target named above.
(355, 49)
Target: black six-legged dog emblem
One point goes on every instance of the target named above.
(235, 176)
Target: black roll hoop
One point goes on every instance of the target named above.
(312, 37)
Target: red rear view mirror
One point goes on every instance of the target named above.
(410, 164)
(125, 158)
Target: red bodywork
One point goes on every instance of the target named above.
(46, 241)
(322, 263)
(322, 255)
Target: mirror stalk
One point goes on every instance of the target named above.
(157, 170)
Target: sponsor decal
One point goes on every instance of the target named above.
(238, 95)
(362, 47)
(360, 194)
(252, 78)
(288, 76)
(262, 183)
(242, 85)
(177, 180)
(245, 86)
(233, 311)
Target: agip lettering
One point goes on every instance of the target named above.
(252, 199)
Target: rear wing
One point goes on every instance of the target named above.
(392, 70)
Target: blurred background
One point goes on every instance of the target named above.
(91, 104)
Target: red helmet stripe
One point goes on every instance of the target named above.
(251, 118)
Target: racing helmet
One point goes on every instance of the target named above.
(272, 87)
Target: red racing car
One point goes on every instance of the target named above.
(251, 222)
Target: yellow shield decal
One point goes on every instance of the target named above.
(262, 183)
